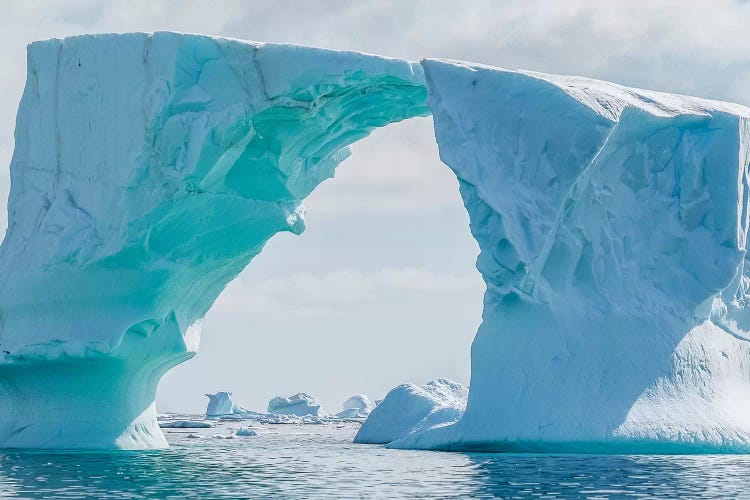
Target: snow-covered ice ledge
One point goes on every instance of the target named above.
(150, 169)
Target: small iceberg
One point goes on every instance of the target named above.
(300, 404)
(409, 408)
(244, 431)
(357, 406)
(220, 404)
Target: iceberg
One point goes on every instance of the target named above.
(221, 404)
(357, 406)
(149, 170)
(300, 404)
(299, 409)
(411, 408)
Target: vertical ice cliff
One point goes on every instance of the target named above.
(612, 224)
(148, 171)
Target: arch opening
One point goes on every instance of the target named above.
(384, 276)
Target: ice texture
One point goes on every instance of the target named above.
(300, 404)
(149, 170)
(411, 408)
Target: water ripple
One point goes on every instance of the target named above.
(321, 462)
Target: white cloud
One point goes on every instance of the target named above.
(396, 170)
(310, 295)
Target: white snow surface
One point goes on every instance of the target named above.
(410, 408)
(149, 170)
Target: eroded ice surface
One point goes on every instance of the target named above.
(410, 408)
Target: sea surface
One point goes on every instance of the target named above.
(320, 461)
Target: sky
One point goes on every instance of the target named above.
(381, 289)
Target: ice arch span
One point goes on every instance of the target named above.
(150, 169)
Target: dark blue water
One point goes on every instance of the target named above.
(319, 461)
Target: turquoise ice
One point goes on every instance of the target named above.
(150, 169)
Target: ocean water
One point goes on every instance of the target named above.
(320, 461)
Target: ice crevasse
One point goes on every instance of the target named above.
(150, 169)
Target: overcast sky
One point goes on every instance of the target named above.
(381, 289)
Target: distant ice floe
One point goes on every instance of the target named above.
(301, 404)
(220, 403)
(245, 431)
(357, 406)
(184, 424)
(301, 408)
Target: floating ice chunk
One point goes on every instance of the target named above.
(358, 406)
(409, 408)
(184, 424)
(245, 431)
(300, 404)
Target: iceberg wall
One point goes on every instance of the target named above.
(612, 225)
(150, 169)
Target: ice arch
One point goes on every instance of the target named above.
(150, 169)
